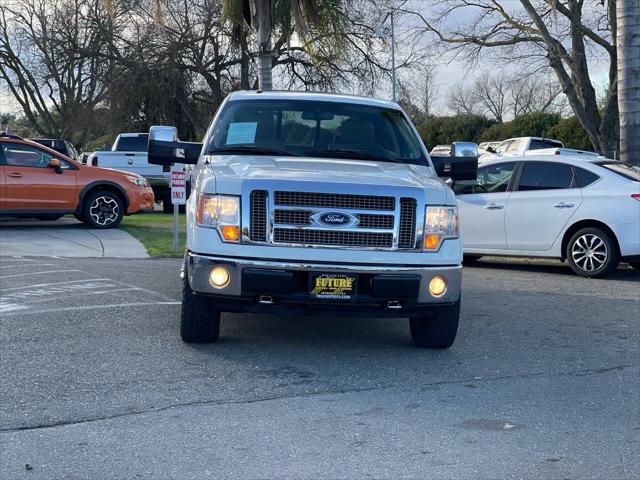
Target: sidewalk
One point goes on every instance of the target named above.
(65, 238)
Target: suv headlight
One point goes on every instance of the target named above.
(139, 181)
(221, 212)
(440, 224)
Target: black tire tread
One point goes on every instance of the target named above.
(199, 322)
(437, 330)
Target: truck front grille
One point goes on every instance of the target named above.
(287, 218)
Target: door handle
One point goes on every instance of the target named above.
(129, 154)
(564, 205)
(14, 175)
(494, 206)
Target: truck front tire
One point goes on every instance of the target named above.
(438, 329)
(199, 321)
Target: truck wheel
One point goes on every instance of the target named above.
(591, 253)
(438, 329)
(103, 209)
(199, 322)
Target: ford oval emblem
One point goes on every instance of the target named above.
(335, 219)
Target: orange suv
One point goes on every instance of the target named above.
(38, 182)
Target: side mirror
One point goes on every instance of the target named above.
(461, 165)
(165, 149)
(55, 164)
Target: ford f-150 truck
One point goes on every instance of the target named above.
(319, 203)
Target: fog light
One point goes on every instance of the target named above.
(437, 286)
(219, 277)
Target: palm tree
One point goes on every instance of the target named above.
(628, 50)
(316, 22)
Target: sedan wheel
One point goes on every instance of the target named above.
(591, 253)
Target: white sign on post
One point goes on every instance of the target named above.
(178, 187)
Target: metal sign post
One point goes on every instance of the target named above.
(178, 197)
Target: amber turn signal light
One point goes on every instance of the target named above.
(431, 241)
(230, 233)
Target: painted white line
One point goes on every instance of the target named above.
(40, 265)
(27, 287)
(92, 307)
(10, 307)
(146, 290)
(37, 273)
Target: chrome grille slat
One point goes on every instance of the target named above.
(333, 238)
(334, 200)
(258, 217)
(376, 221)
(407, 230)
(303, 217)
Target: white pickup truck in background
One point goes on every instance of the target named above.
(521, 146)
(129, 154)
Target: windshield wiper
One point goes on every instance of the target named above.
(352, 154)
(255, 150)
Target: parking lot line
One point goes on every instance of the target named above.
(37, 273)
(26, 287)
(89, 307)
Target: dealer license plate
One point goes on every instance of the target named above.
(333, 286)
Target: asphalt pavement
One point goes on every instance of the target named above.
(542, 382)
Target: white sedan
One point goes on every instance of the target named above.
(583, 210)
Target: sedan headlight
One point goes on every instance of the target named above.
(221, 212)
(139, 181)
(440, 224)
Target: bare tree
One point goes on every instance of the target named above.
(561, 34)
(491, 94)
(535, 94)
(462, 100)
(54, 61)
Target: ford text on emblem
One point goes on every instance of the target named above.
(335, 219)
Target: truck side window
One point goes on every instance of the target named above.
(545, 176)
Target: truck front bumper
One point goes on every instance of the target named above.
(258, 285)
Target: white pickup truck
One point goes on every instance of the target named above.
(129, 154)
(522, 146)
(319, 203)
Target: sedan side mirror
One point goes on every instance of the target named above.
(55, 164)
(165, 149)
(461, 165)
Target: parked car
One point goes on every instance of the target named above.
(60, 145)
(39, 182)
(516, 147)
(486, 147)
(582, 210)
(129, 154)
(318, 203)
(443, 150)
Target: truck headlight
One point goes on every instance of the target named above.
(440, 224)
(221, 212)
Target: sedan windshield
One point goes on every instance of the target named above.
(304, 128)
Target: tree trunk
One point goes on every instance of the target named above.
(244, 61)
(628, 40)
(264, 24)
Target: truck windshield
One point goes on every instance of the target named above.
(304, 128)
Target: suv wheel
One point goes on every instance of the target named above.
(438, 329)
(199, 322)
(103, 209)
(592, 253)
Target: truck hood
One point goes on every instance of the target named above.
(228, 173)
